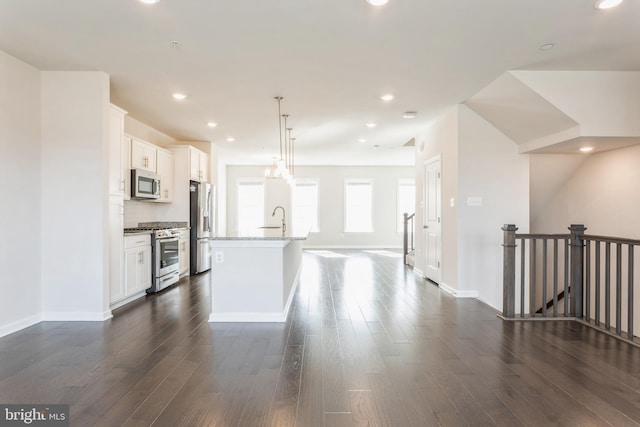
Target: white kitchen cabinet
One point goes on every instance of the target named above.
(183, 246)
(126, 166)
(137, 268)
(199, 165)
(165, 164)
(115, 142)
(116, 249)
(143, 155)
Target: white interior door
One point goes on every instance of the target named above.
(432, 227)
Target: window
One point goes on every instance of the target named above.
(358, 206)
(250, 205)
(305, 206)
(406, 200)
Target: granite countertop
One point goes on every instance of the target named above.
(265, 234)
(164, 224)
(137, 233)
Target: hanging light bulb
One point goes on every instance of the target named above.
(289, 149)
(292, 157)
(286, 149)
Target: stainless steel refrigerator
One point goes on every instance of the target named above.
(202, 220)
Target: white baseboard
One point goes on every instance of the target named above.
(127, 300)
(19, 324)
(456, 293)
(499, 309)
(418, 272)
(448, 289)
(74, 316)
(467, 294)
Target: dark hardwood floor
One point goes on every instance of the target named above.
(367, 343)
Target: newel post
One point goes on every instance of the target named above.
(577, 267)
(405, 239)
(509, 268)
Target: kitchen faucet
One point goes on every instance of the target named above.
(284, 226)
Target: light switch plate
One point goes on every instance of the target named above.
(474, 201)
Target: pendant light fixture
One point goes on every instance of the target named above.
(281, 168)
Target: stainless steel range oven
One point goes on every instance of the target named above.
(166, 260)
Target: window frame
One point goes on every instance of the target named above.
(239, 183)
(316, 182)
(370, 183)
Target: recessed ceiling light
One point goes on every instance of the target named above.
(149, 1)
(547, 46)
(230, 139)
(377, 2)
(179, 96)
(607, 4)
(212, 124)
(387, 97)
(409, 115)
(362, 140)
(371, 125)
(586, 149)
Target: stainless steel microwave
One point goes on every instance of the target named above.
(144, 184)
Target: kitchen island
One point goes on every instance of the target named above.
(254, 277)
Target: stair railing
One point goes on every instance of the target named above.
(408, 235)
(571, 276)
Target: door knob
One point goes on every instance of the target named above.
(425, 226)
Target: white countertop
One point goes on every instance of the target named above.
(265, 234)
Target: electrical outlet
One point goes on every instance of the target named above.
(219, 257)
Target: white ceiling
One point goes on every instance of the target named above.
(330, 59)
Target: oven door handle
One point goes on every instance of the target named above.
(167, 239)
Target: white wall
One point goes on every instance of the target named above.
(490, 167)
(331, 180)
(74, 231)
(20, 286)
(476, 160)
(440, 138)
(601, 191)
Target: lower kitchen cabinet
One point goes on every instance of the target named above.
(183, 246)
(137, 267)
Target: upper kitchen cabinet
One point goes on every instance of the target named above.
(143, 155)
(199, 162)
(117, 168)
(166, 163)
